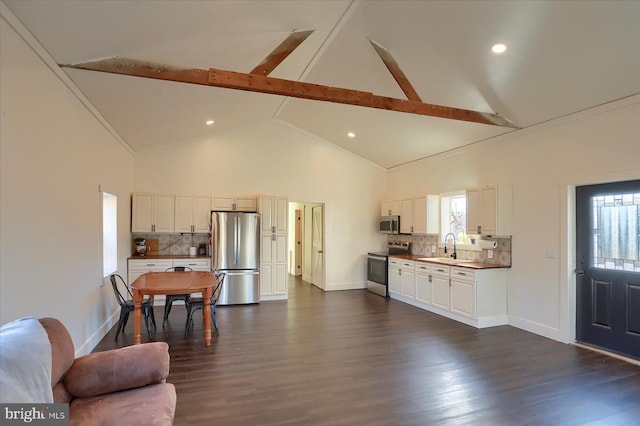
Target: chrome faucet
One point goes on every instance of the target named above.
(454, 255)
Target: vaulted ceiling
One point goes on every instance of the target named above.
(563, 57)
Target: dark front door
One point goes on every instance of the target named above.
(608, 266)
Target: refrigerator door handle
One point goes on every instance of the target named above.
(236, 245)
(243, 272)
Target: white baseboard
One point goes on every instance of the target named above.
(346, 286)
(266, 298)
(93, 340)
(483, 322)
(537, 328)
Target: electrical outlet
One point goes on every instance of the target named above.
(489, 254)
(433, 249)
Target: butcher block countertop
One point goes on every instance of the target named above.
(171, 256)
(459, 263)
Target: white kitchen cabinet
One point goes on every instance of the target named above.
(424, 282)
(420, 215)
(274, 240)
(390, 208)
(195, 264)
(233, 203)
(152, 213)
(192, 213)
(274, 214)
(406, 216)
(441, 290)
(463, 292)
(489, 210)
(394, 277)
(273, 264)
(477, 297)
(407, 279)
(401, 278)
(426, 215)
(137, 267)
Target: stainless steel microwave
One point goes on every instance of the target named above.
(389, 224)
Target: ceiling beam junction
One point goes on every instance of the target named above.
(297, 89)
(396, 72)
(281, 52)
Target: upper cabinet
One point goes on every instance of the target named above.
(419, 215)
(152, 213)
(231, 203)
(426, 215)
(489, 210)
(274, 214)
(390, 208)
(192, 213)
(181, 213)
(406, 216)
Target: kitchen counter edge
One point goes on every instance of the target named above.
(167, 256)
(465, 264)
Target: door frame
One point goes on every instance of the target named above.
(306, 238)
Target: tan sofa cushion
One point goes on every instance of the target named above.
(118, 369)
(62, 352)
(148, 406)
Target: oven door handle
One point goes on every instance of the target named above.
(372, 256)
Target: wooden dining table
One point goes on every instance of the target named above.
(155, 283)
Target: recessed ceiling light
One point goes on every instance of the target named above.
(499, 48)
(351, 135)
(209, 122)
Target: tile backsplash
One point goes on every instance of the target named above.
(421, 246)
(175, 244)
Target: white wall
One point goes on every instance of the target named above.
(53, 155)
(542, 163)
(272, 158)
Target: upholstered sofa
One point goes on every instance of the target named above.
(125, 386)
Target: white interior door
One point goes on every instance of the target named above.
(317, 246)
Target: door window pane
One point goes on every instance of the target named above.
(616, 232)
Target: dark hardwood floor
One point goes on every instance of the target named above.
(355, 358)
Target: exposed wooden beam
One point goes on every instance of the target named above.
(276, 86)
(137, 68)
(396, 72)
(280, 53)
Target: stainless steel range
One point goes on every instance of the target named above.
(378, 266)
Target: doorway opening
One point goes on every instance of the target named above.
(306, 242)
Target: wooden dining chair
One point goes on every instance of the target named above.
(196, 303)
(170, 298)
(126, 305)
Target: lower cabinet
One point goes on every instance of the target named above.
(463, 292)
(401, 277)
(273, 266)
(137, 267)
(474, 297)
(441, 290)
(424, 282)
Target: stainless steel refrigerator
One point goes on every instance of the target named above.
(235, 250)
